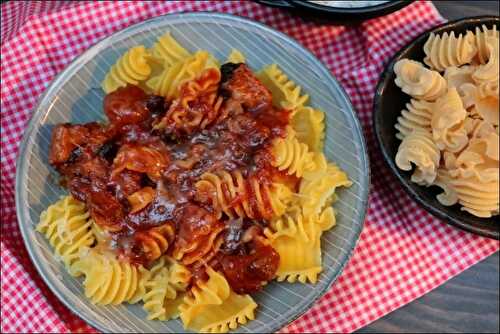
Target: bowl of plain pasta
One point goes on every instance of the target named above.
(436, 117)
(190, 173)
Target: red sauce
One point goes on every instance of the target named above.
(231, 128)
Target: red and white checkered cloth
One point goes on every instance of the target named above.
(403, 252)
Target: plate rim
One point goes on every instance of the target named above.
(382, 82)
(22, 164)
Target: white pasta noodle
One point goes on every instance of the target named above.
(419, 149)
(447, 50)
(417, 115)
(450, 132)
(417, 81)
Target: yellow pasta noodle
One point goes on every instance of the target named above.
(309, 127)
(318, 186)
(164, 290)
(131, 68)
(235, 57)
(213, 307)
(171, 79)
(108, 280)
(67, 226)
(286, 93)
(169, 50)
(223, 189)
(291, 155)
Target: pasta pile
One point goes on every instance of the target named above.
(296, 216)
(449, 129)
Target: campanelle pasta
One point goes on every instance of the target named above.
(196, 159)
(453, 142)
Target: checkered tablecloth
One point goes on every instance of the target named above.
(403, 251)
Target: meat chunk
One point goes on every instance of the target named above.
(126, 105)
(242, 85)
(67, 139)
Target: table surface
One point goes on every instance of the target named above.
(468, 302)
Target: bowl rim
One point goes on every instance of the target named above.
(381, 84)
(21, 163)
(382, 8)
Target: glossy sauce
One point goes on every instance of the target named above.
(113, 168)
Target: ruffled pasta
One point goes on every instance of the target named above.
(442, 51)
(67, 226)
(417, 81)
(213, 307)
(132, 68)
(457, 76)
(417, 115)
(156, 240)
(108, 280)
(291, 155)
(286, 93)
(419, 149)
(481, 35)
(478, 198)
(447, 124)
(488, 72)
(318, 186)
(170, 80)
(309, 127)
(237, 196)
(169, 50)
(165, 289)
(183, 119)
(296, 238)
(235, 57)
(485, 105)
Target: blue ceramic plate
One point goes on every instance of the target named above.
(75, 96)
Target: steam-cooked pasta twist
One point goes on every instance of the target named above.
(417, 115)
(202, 91)
(309, 127)
(235, 57)
(291, 155)
(237, 196)
(447, 124)
(169, 50)
(213, 307)
(478, 198)
(487, 74)
(481, 35)
(317, 187)
(67, 226)
(164, 290)
(419, 148)
(446, 50)
(169, 82)
(156, 240)
(131, 68)
(108, 280)
(286, 93)
(296, 238)
(417, 81)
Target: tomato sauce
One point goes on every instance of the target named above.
(102, 165)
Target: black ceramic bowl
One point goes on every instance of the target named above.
(388, 103)
(340, 14)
